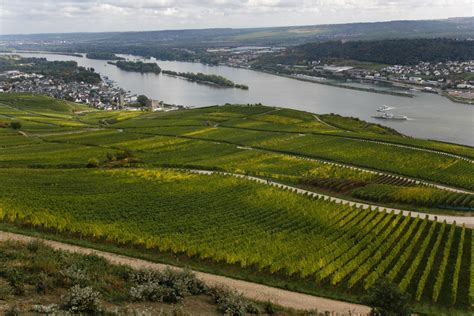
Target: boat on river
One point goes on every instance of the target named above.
(389, 116)
(384, 108)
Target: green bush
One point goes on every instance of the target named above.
(34, 245)
(15, 125)
(44, 283)
(93, 163)
(386, 299)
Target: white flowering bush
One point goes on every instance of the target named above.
(169, 286)
(230, 302)
(45, 309)
(144, 276)
(153, 291)
(184, 281)
(82, 300)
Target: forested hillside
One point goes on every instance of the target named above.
(401, 51)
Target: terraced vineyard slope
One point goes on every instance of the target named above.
(123, 179)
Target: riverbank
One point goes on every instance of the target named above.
(41, 52)
(431, 116)
(332, 84)
(458, 100)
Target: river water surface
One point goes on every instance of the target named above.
(430, 116)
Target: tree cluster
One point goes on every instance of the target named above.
(206, 78)
(103, 56)
(138, 66)
(401, 51)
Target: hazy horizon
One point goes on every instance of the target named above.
(75, 16)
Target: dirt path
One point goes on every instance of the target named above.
(338, 164)
(251, 290)
(468, 221)
(433, 151)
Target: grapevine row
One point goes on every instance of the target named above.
(457, 267)
(444, 264)
(403, 258)
(362, 250)
(375, 275)
(416, 262)
(368, 265)
(429, 263)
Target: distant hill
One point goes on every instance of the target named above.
(284, 36)
(400, 51)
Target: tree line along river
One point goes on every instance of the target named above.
(430, 115)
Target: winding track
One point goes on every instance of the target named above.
(338, 164)
(251, 290)
(341, 165)
(468, 221)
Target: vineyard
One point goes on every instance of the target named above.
(422, 196)
(247, 224)
(114, 177)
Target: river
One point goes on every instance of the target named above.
(430, 116)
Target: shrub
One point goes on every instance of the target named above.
(73, 275)
(184, 281)
(111, 156)
(169, 286)
(230, 302)
(144, 276)
(127, 153)
(16, 279)
(5, 289)
(385, 299)
(43, 283)
(34, 245)
(13, 310)
(269, 308)
(45, 309)
(93, 163)
(155, 292)
(15, 125)
(82, 300)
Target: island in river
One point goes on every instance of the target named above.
(207, 79)
(138, 66)
(103, 56)
(430, 115)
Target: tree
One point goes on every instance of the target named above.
(15, 125)
(386, 299)
(142, 99)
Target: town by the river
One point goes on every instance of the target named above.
(429, 115)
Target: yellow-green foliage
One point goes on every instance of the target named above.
(221, 218)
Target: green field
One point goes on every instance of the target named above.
(134, 195)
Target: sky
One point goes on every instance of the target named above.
(59, 16)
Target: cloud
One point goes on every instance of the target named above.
(33, 16)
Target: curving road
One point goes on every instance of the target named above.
(250, 290)
(468, 221)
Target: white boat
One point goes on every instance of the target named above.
(388, 116)
(384, 108)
